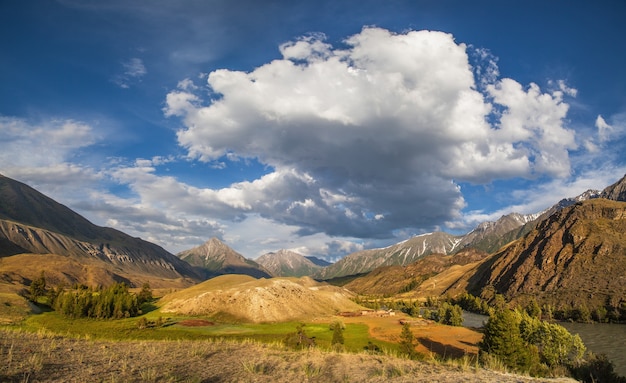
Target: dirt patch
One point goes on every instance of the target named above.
(446, 341)
(195, 323)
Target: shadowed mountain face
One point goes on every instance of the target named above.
(30, 222)
(575, 256)
(23, 204)
(216, 258)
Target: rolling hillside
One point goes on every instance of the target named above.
(243, 298)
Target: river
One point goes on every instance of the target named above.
(609, 339)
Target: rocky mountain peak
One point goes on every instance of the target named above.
(216, 258)
(616, 192)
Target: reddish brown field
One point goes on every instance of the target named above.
(446, 341)
(195, 323)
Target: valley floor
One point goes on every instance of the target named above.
(44, 357)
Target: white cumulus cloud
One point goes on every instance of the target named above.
(375, 129)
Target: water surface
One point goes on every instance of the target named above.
(609, 339)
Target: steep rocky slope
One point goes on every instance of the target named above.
(216, 258)
(577, 255)
(616, 192)
(30, 222)
(285, 263)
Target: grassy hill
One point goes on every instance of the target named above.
(243, 298)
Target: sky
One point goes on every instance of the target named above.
(324, 127)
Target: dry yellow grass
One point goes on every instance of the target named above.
(44, 357)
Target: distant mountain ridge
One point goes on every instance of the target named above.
(391, 280)
(216, 258)
(401, 253)
(318, 261)
(488, 236)
(285, 263)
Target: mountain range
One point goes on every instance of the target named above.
(572, 253)
(487, 236)
(215, 258)
(574, 257)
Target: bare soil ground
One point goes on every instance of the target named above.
(195, 323)
(445, 341)
(43, 357)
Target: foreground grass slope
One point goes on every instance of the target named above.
(44, 357)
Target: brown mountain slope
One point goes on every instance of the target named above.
(398, 279)
(577, 255)
(31, 222)
(243, 298)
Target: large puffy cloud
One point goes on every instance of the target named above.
(366, 139)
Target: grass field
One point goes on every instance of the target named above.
(356, 335)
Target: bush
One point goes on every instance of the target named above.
(597, 368)
(38, 288)
(299, 340)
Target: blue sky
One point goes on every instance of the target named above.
(323, 127)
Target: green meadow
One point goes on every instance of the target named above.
(356, 336)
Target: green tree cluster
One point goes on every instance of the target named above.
(299, 340)
(113, 302)
(451, 315)
(525, 343)
(473, 304)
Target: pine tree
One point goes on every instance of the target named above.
(145, 295)
(502, 338)
(407, 341)
(38, 287)
(337, 335)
